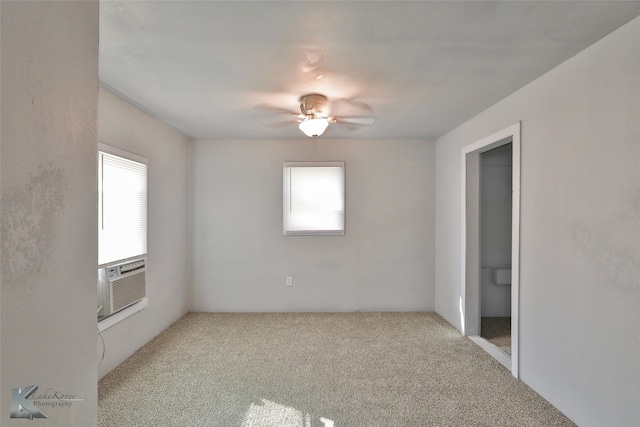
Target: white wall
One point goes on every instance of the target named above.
(124, 126)
(48, 222)
(384, 262)
(580, 189)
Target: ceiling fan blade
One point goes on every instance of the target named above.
(349, 107)
(278, 125)
(267, 107)
(356, 120)
(354, 114)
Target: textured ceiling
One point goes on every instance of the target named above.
(423, 66)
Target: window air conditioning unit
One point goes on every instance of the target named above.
(121, 285)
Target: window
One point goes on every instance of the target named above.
(313, 198)
(122, 205)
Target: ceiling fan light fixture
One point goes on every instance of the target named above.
(313, 127)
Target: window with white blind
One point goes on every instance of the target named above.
(313, 198)
(122, 205)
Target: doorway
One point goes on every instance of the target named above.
(495, 246)
(491, 237)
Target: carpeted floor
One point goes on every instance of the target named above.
(498, 331)
(316, 370)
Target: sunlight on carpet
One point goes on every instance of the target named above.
(272, 414)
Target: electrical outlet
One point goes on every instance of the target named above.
(289, 281)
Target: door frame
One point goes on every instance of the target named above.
(470, 302)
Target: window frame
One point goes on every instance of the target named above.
(318, 232)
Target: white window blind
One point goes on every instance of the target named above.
(122, 208)
(313, 198)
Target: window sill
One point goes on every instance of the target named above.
(120, 316)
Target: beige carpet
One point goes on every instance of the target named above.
(316, 370)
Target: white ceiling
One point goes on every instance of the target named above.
(423, 66)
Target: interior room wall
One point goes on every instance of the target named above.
(384, 262)
(48, 111)
(495, 229)
(580, 277)
(124, 126)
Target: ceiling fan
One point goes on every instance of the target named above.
(317, 112)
